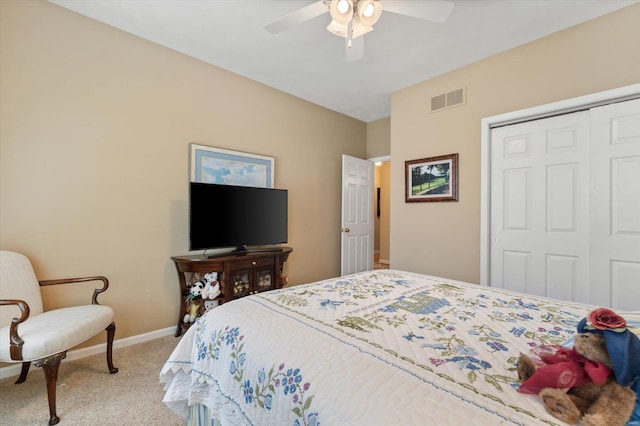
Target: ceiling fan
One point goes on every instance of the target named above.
(351, 19)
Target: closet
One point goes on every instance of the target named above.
(564, 206)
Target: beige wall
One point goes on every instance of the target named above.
(95, 126)
(444, 238)
(379, 138)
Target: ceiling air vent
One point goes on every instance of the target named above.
(448, 100)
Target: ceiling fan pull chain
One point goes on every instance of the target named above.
(350, 34)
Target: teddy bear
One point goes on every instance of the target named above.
(210, 304)
(192, 313)
(211, 288)
(597, 382)
(195, 291)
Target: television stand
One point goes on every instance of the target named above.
(241, 249)
(245, 249)
(239, 274)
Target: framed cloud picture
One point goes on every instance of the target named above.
(432, 179)
(226, 167)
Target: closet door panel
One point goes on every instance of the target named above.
(615, 205)
(539, 207)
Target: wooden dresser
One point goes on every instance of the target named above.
(239, 275)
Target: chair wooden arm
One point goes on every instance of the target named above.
(15, 345)
(94, 299)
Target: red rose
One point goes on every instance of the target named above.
(603, 319)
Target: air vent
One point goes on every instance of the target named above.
(448, 100)
(438, 102)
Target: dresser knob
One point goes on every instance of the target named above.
(253, 263)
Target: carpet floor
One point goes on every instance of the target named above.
(88, 395)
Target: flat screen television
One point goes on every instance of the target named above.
(223, 216)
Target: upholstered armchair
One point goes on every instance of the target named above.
(29, 334)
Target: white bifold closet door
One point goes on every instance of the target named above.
(565, 206)
(615, 205)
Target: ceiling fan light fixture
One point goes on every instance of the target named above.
(358, 27)
(369, 11)
(340, 30)
(355, 27)
(341, 11)
(343, 6)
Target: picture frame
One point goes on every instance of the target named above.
(227, 167)
(432, 179)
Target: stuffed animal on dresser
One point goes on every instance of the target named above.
(211, 288)
(195, 291)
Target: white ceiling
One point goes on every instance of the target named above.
(309, 62)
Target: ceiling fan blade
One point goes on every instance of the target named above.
(356, 51)
(298, 17)
(433, 10)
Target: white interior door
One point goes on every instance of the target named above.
(540, 207)
(615, 205)
(357, 215)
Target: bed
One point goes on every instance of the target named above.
(378, 347)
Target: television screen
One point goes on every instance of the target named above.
(236, 216)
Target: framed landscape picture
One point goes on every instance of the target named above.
(226, 167)
(432, 179)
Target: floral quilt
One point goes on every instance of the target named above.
(378, 347)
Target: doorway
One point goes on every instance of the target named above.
(382, 207)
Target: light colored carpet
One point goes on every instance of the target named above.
(88, 395)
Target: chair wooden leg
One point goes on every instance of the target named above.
(23, 372)
(111, 332)
(50, 367)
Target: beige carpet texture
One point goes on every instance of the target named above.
(88, 395)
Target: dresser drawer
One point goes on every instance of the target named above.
(253, 263)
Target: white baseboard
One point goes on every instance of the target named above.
(14, 370)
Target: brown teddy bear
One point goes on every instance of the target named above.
(597, 381)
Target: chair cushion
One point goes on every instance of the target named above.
(57, 330)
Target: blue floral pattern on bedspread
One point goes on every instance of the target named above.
(332, 351)
(260, 390)
(444, 323)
